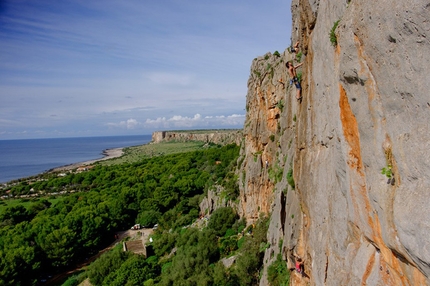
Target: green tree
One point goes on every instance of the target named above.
(222, 219)
(197, 250)
(106, 264)
(17, 256)
(148, 218)
(59, 246)
(134, 271)
(14, 215)
(278, 273)
(248, 264)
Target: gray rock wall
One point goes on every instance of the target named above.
(369, 98)
(366, 106)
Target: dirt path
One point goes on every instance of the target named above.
(121, 235)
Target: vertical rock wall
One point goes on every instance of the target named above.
(366, 107)
(265, 153)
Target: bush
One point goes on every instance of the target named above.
(227, 245)
(280, 105)
(239, 225)
(106, 264)
(230, 232)
(290, 178)
(247, 267)
(72, 281)
(148, 218)
(299, 56)
(332, 34)
(164, 243)
(231, 186)
(221, 220)
(196, 251)
(240, 242)
(387, 171)
(299, 76)
(277, 273)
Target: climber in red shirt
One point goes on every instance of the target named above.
(299, 266)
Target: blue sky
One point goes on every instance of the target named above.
(96, 68)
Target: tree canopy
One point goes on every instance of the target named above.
(45, 238)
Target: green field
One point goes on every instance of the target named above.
(25, 202)
(137, 153)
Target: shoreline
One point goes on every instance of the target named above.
(108, 154)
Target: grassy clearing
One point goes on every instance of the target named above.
(25, 202)
(137, 153)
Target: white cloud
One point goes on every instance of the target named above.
(132, 123)
(197, 121)
(127, 124)
(179, 121)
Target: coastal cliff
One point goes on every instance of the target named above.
(344, 173)
(218, 136)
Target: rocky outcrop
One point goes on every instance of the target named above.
(219, 136)
(365, 109)
(214, 200)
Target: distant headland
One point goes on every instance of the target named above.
(217, 136)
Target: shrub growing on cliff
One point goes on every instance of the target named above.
(332, 34)
(246, 270)
(275, 173)
(387, 171)
(290, 178)
(299, 56)
(280, 105)
(277, 272)
(277, 54)
(221, 220)
(299, 76)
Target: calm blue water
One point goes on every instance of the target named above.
(24, 158)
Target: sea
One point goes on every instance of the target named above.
(28, 157)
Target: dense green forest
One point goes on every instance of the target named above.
(45, 238)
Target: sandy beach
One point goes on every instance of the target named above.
(109, 154)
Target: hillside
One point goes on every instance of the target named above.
(348, 175)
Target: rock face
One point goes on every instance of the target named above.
(221, 136)
(365, 108)
(213, 201)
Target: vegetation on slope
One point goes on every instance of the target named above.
(189, 256)
(45, 238)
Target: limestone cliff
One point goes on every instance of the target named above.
(218, 136)
(365, 109)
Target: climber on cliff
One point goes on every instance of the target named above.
(293, 75)
(299, 265)
(295, 48)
